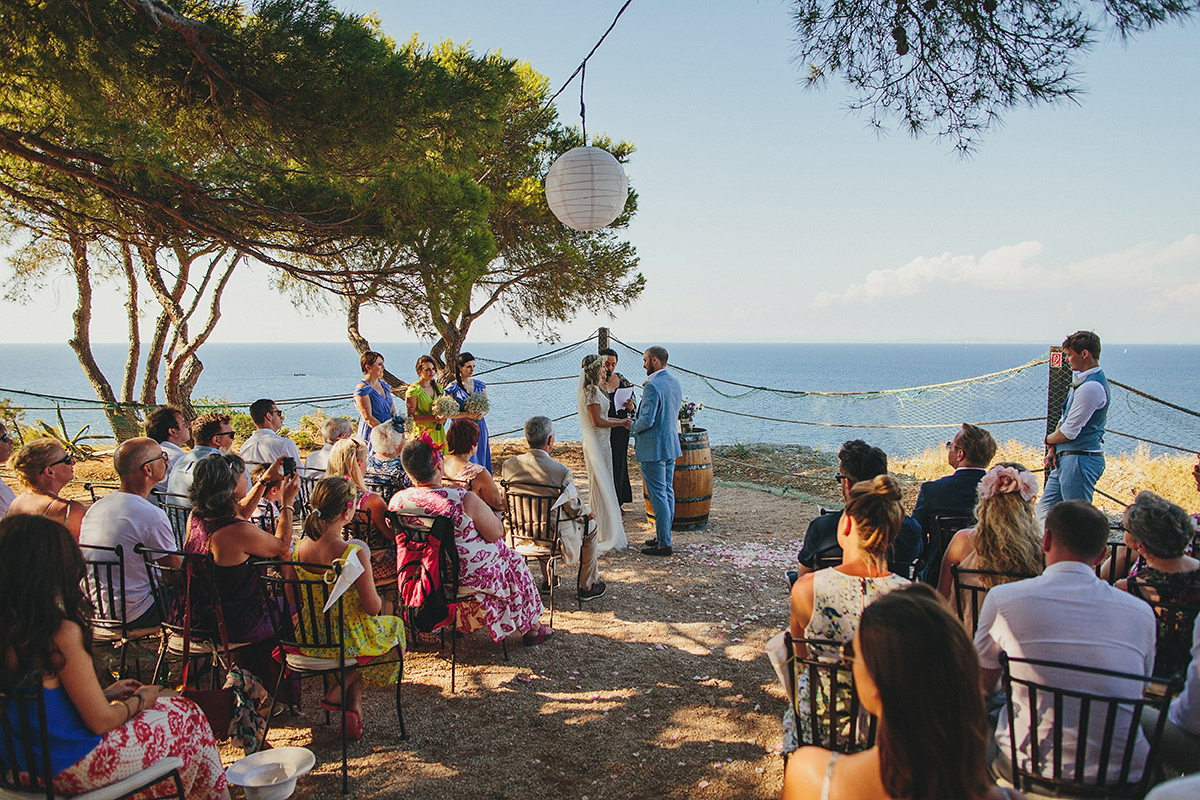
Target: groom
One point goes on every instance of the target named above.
(657, 447)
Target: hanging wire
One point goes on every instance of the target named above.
(582, 106)
(583, 64)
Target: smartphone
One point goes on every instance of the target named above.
(289, 466)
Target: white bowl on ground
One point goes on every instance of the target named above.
(271, 774)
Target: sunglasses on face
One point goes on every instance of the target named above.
(67, 459)
(839, 478)
(4, 437)
(223, 433)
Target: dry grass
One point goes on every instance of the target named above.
(1125, 474)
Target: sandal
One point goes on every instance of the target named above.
(353, 726)
(544, 633)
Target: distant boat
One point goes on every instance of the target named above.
(299, 375)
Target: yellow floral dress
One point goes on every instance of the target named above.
(437, 432)
(366, 636)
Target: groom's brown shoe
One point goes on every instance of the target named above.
(655, 550)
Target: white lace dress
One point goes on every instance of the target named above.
(597, 456)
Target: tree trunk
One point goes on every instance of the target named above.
(124, 422)
(353, 307)
(131, 313)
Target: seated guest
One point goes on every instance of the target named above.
(1006, 538)
(914, 669)
(333, 430)
(127, 518)
(1067, 614)
(857, 461)
(349, 460)
(97, 736)
(1160, 533)
(272, 494)
(6, 493)
(44, 468)
(384, 462)
(826, 604)
(506, 599)
(234, 543)
(165, 425)
(969, 453)
(462, 471)
(212, 434)
(1179, 747)
(365, 632)
(576, 522)
(265, 444)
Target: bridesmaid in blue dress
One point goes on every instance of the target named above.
(373, 397)
(460, 389)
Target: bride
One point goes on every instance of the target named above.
(597, 453)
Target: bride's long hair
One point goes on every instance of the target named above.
(592, 366)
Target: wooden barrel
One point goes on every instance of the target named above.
(693, 483)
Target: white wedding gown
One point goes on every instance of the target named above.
(597, 456)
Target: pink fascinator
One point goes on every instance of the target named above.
(1005, 480)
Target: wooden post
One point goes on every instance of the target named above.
(1058, 384)
(602, 340)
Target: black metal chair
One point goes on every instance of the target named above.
(968, 596)
(1175, 609)
(177, 508)
(531, 527)
(265, 517)
(416, 535)
(936, 542)
(26, 734)
(167, 583)
(97, 490)
(830, 706)
(310, 630)
(1116, 565)
(104, 582)
(1066, 729)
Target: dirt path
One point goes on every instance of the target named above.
(660, 689)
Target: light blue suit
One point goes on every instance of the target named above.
(657, 447)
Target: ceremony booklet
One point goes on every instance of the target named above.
(621, 396)
(569, 492)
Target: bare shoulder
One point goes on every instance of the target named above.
(805, 773)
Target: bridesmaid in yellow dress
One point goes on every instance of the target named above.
(419, 400)
(366, 635)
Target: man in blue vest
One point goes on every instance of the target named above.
(1075, 449)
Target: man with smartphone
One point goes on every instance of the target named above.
(265, 444)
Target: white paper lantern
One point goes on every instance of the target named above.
(586, 188)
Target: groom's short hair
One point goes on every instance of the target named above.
(537, 431)
(658, 352)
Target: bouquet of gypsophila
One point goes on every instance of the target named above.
(477, 404)
(445, 406)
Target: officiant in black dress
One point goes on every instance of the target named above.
(620, 436)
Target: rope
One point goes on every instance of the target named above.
(522, 429)
(848, 425)
(876, 393)
(1151, 441)
(531, 359)
(1156, 399)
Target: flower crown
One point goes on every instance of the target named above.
(1005, 480)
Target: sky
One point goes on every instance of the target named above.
(770, 213)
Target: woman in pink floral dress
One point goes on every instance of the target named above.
(506, 597)
(97, 736)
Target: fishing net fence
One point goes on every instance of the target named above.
(801, 430)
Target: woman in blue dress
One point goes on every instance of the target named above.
(373, 397)
(460, 389)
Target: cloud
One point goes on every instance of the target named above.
(1163, 273)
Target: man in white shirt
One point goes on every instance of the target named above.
(6, 493)
(1180, 744)
(128, 518)
(1070, 616)
(1075, 449)
(165, 425)
(265, 444)
(335, 429)
(211, 433)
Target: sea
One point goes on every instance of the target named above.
(812, 394)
